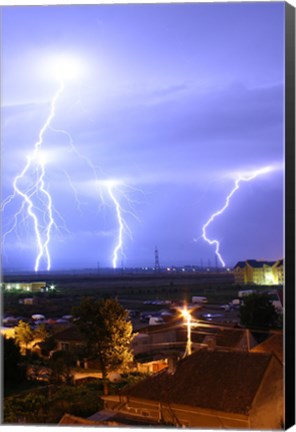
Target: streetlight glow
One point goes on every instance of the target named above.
(186, 314)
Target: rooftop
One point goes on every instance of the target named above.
(220, 380)
(272, 345)
(69, 334)
(258, 264)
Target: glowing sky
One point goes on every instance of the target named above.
(171, 103)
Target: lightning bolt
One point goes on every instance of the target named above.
(241, 178)
(87, 161)
(29, 185)
(123, 227)
(36, 201)
(120, 221)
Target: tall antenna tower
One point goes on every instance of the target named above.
(216, 263)
(156, 265)
(201, 264)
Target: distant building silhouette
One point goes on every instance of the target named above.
(259, 272)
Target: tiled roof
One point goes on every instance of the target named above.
(70, 334)
(257, 264)
(260, 264)
(226, 338)
(229, 338)
(240, 264)
(150, 329)
(219, 380)
(273, 345)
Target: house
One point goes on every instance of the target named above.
(279, 272)
(140, 343)
(209, 389)
(29, 301)
(239, 272)
(151, 367)
(156, 338)
(259, 272)
(69, 339)
(229, 339)
(161, 340)
(273, 345)
(23, 286)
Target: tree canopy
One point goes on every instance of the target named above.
(23, 334)
(258, 311)
(61, 364)
(13, 371)
(108, 332)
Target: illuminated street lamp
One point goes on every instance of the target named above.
(186, 314)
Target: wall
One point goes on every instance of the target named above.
(267, 410)
(177, 415)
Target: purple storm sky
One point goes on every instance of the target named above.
(173, 102)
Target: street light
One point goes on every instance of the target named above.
(186, 314)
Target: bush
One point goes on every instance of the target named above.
(14, 372)
(34, 407)
(258, 312)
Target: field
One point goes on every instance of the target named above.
(131, 290)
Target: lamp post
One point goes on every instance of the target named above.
(186, 314)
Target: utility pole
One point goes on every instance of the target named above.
(156, 264)
(186, 314)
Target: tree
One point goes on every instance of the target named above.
(258, 311)
(41, 333)
(28, 408)
(47, 345)
(13, 371)
(61, 364)
(23, 334)
(108, 333)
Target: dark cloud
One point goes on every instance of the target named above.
(166, 105)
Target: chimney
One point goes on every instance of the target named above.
(211, 342)
(172, 363)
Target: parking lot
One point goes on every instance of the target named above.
(153, 312)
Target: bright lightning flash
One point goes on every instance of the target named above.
(29, 184)
(111, 186)
(241, 178)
